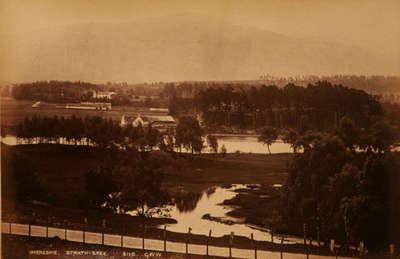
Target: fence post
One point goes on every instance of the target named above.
(304, 233)
(255, 247)
(208, 240)
(361, 248)
(309, 248)
(391, 250)
(318, 235)
(144, 230)
(65, 233)
(83, 236)
(165, 238)
(29, 230)
(283, 237)
(103, 224)
(187, 240)
(122, 241)
(10, 228)
(230, 243)
(332, 245)
(47, 231)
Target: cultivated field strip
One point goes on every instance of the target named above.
(137, 242)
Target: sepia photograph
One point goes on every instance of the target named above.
(259, 129)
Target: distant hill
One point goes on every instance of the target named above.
(174, 49)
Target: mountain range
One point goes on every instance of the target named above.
(175, 49)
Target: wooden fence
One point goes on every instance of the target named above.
(152, 244)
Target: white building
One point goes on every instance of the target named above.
(103, 94)
(161, 122)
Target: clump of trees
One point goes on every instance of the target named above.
(99, 185)
(212, 142)
(106, 133)
(338, 185)
(268, 136)
(189, 134)
(91, 130)
(318, 106)
(130, 182)
(131, 179)
(179, 106)
(28, 186)
(68, 91)
(54, 91)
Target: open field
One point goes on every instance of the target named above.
(206, 171)
(14, 111)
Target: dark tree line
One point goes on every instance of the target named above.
(130, 178)
(67, 91)
(129, 181)
(371, 84)
(106, 133)
(54, 91)
(91, 130)
(317, 107)
(339, 185)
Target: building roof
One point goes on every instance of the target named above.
(128, 119)
(161, 118)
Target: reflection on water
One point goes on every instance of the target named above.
(210, 191)
(249, 144)
(9, 140)
(209, 203)
(188, 202)
(13, 141)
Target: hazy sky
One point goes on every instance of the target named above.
(369, 23)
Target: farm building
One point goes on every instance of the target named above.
(160, 122)
(103, 95)
(134, 121)
(88, 106)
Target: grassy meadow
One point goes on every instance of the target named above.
(14, 111)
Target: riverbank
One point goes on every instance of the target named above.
(258, 206)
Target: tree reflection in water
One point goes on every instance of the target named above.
(210, 191)
(187, 202)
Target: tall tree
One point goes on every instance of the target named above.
(189, 134)
(291, 137)
(212, 143)
(268, 136)
(99, 185)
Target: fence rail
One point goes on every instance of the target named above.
(145, 243)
